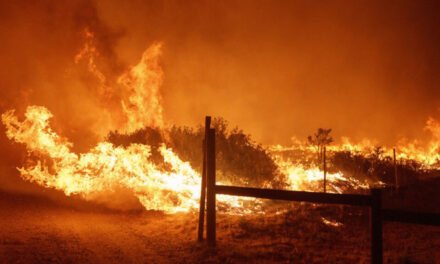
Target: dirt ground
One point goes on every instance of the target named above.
(38, 230)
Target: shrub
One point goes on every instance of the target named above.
(374, 167)
(239, 160)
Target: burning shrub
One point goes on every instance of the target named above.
(147, 136)
(239, 159)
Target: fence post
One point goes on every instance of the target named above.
(210, 182)
(325, 169)
(396, 176)
(203, 183)
(376, 226)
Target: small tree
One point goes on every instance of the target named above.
(319, 140)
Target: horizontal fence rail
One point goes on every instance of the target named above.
(298, 196)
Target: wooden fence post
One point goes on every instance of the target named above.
(376, 226)
(210, 182)
(203, 183)
(396, 176)
(325, 169)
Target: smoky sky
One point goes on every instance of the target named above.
(276, 69)
(284, 68)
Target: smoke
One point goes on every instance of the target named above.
(275, 68)
(283, 68)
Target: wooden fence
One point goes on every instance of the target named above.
(209, 190)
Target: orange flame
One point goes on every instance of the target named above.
(104, 168)
(177, 188)
(143, 105)
(90, 53)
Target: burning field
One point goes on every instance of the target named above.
(96, 169)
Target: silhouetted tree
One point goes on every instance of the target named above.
(319, 140)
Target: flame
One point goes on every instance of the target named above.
(426, 154)
(143, 105)
(176, 186)
(311, 179)
(104, 168)
(140, 97)
(90, 54)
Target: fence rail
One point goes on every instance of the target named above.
(298, 196)
(373, 201)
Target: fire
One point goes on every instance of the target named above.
(90, 53)
(306, 174)
(173, 185)
(142, 82)
(104, 168)
(429, 154)
(311, 179)
(138, 89)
